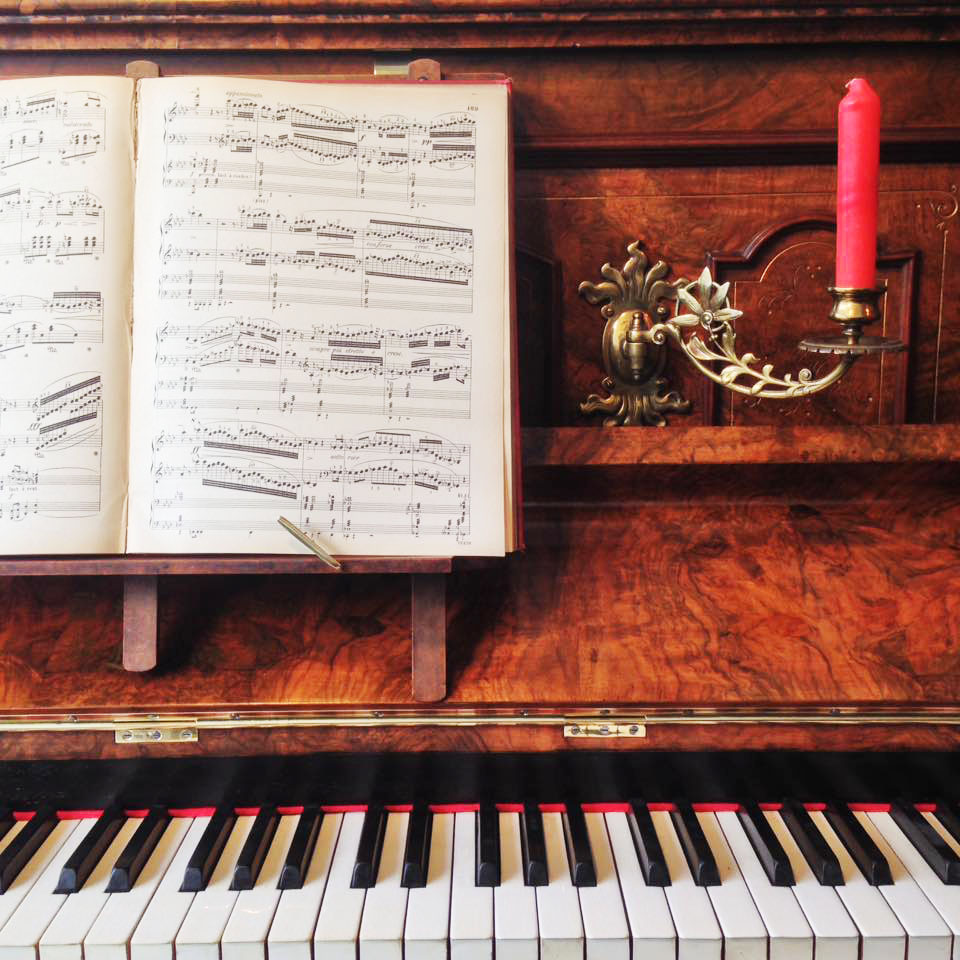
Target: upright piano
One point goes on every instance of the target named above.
(711, 710)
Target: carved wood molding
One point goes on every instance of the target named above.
(395, 24)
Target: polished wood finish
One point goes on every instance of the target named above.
(139, 623)
(428, 612)
(749, 555)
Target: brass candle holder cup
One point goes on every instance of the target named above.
(644, 312)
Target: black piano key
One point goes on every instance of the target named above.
(81, 863)
(16, 855)
(533, 846)
(931, 846)
(254, 850)
(371, 845)
(695, 847)
(859, 844)
(488, 846)
(653, 864)
(204, 858)
(773, 858)
(136, 853)
(812, 843)
(297, 861)
(416, 851)
(583, 873)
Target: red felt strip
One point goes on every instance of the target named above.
(926, 807)
(24, 814)
(192, 811)
(246, 811)
(660, 807)
(289, 811)
(510, 807)
(772, 807)
(79, 814)
(870, 807)
(553, 807)
(345, 808)
(716, 807)
(399, 808)
(136, 814)
(606, 808)
(454, 807)
(815, 807)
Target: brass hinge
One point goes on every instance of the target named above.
(604, 729)
(180, 732)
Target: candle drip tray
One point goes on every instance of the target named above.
(856, 347)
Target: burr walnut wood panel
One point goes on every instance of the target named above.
(752, 580)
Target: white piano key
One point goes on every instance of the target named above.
(516, 931)
(158, 927)
(928, 937)
(835, 936)
(293, 924)
(63, 937)
(882, 937)
(33, 870)
(651, 927)
(245, 936)
(790, 935)
(385, 909)
(471, 907)
(21, 933)
(744, 935)
(114, 927)
(934, 822)
(601, 907)
(429, 907)
(199, 935)
(698, 933)
(944, 897)
(338, 925)
(558, 906)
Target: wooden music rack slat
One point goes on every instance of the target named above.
(141, 576)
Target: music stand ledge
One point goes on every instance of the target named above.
(428, 591)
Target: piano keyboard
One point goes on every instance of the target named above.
(611, 881)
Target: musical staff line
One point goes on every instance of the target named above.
(233, 363)
(347, 259)
(387, 158)
(421, 481)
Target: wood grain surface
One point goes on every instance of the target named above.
(808, 555)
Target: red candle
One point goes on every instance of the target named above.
(858, 163)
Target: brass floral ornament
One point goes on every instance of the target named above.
(639, 325)
(633, 356)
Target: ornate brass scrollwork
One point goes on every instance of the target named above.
(639, 323)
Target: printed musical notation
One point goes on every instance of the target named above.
(306, 150)
(50, 450)
(235, 364)
(64, 126)
(241, 475)
(67, 316)
(35, 225)
(346, 259)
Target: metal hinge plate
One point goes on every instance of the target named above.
(156, 733)
(604, 729)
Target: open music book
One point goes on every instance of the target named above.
(227, 300)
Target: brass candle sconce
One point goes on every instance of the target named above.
(644, 312)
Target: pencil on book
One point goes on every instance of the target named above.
(308, 542)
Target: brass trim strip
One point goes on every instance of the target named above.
(531, 717)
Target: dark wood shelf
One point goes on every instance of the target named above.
(635, 446)
(202, 564)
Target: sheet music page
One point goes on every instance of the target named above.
(320, 317)
(66, 231)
